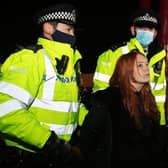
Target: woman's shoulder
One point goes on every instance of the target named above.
(108, 95)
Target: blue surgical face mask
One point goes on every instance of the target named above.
(144, 37)
(64, 38)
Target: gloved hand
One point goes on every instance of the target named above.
(58, 151)
(75, 150)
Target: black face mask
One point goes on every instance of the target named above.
(64, 38)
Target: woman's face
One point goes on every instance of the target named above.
(140, 71)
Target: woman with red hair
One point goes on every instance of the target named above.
(122, 125)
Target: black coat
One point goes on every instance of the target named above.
(109, 137)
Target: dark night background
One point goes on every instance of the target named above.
(99, 24)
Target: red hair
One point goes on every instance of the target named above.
(121, 78)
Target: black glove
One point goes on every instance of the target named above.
(85, 96)
(58, 151)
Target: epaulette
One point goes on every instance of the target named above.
(153, 49)
(34, 47)
(113, 47)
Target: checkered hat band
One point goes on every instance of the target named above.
(69, 16)
(146, 18)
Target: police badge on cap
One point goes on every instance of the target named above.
(146, 18)
(63, 12)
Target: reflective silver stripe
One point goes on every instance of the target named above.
(102, 77)
(158, 86)
(125, 49)
(10, 106)
(16, 92)
(49, 84)
(56, 105)
(160, 98)
(62, 129)
(47, 99)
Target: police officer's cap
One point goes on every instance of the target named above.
(146, 18)
(61, 12)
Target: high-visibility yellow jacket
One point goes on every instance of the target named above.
(106, 64)
(35, 98)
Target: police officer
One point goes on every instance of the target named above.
(144, 30)
(39, 96)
